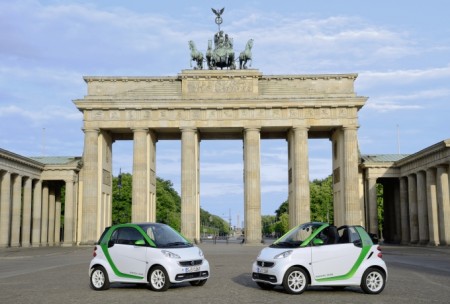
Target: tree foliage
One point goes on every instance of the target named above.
(321, 198)
(168, 205)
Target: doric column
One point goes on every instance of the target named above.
(189, 183)
(16, 210)
(58, 217)
(353, 212)
(37, 214)
(140, 179)
(443, 201)
(69, 223)
(26, 215)
(404, 213)
(5, 209)
(51, 215)
(91, 198)
(252, 186)
(372, 202)
(299, 198)
(44, 230)
(422, 209)
(432, 207)
(413, 211)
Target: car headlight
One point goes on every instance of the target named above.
(200, 253)
(283, 255)
(170, 254)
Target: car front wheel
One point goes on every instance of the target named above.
(99, 278)
(373, 281)
(158, 279)
(295, 280)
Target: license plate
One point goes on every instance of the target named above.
(263, 270)
(192, 269)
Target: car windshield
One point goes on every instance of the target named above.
(296, 236)
(165, 236)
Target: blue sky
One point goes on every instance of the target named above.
(400, 50)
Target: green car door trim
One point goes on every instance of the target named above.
(104, 246)
(367, 245)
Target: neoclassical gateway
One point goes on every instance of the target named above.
(200, 105)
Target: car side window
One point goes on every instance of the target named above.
(128, 236)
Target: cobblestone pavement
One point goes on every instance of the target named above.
(60, 275)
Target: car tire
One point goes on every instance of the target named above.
(295, 280)
(198, 283)
(99, 279)
(158, 280)
(373, 281)
(265, 286)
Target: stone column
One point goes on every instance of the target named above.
(5, 209)
(189, 183)
(413, 211)
(140, 180)
(26, 216)
(37, 214)
(51, 215)
(252, 186)
(16, 210)
(443, 201)
(58, 217)
(353, 212)
(422, 210)
(152, 178)
(432, 207)
(91, 197)
(44, 221)
(299, 198)
(404, 214)
(373, 210)
(69, 223)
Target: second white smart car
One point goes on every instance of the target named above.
(150, 253)
(319, 254)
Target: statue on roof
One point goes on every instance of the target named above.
(222, 54)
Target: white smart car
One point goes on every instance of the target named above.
(319, 254)
(150, 253)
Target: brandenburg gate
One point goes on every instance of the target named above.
(213, 104)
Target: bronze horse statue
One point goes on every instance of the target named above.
(246, 55)
(196, 56)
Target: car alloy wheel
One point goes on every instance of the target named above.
(295, 280)
(373, 281)
(158, 279)
(99, 278)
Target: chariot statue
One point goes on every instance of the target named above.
(220, 53)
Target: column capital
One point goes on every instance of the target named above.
(301, 127)
(188, 129)
(252, 128)
(139, 129)
(350, 127)
(88, 130)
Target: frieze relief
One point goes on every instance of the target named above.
(174, 114)
(219, 86)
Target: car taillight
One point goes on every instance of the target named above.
(94, 254)
(380, 255)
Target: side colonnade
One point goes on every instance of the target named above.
(31, 202)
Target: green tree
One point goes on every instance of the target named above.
(268, 224)
(121, 200)
(321, 195)
(168, 204)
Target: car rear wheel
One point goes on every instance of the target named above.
(158, 279)
(99, 278)
(373, 281)
(198, 283)
(295, 280)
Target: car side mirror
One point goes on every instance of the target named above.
(110, 243)
(139, 243)
(317, 242)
